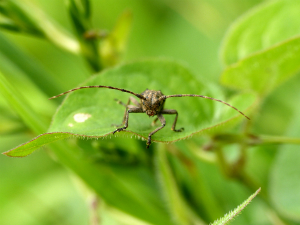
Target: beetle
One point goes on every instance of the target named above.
(152, 103)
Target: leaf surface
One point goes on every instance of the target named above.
(261, 49)
(260, 29)
(41, 140)
(94, 112)
(264, 71)
(285, 177)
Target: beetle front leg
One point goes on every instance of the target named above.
(172, 111)
(163, 123)
(131, 99)
(130, 110)
(154, 122)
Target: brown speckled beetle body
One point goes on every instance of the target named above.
(152, 103)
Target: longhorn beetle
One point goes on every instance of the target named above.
(152, 103)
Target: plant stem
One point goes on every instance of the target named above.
(50, 30)
(265, 139)
(178, 208)
(203, 194)
(222, 162)
(42, 78)
(18, 103)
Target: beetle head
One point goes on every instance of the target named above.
(152, 104)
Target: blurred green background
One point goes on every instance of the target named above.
(38, 190)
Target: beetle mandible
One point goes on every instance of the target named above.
(152, 103)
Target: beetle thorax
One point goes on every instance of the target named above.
(152, 105)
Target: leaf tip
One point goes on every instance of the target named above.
(4, 153)
(9, 154)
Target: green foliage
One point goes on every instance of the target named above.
(25, 17)
(29, 147)
(176, 204)
(265, 70)
(114, 44)
(284, 182)
(266, 55)
(251, 34)
(175, 181)
(92, 112)
(230, 216)
(14, 18)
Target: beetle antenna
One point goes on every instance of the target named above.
(202, 96)
(99, 86)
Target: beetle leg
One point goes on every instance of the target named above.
(134, 101)
(154, 121)
(131, 99)
(163, 123)
(129, 110)
(172, 111)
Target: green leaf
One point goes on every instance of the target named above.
(33, 70)
(114, 44)
(92, 112)
(175, 201)
(230, 216)
(131, 189)
(81, 8)
(33, 20)
(79, 11)
(21, 20)
(41, 140)
(264, 71)
(18, 103)
(284, 183)
(260, 29)
(261, 49)
(8, 24)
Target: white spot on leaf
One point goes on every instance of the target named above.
(81, 117)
